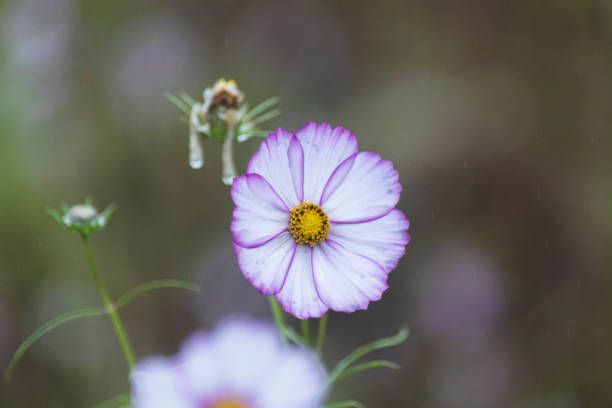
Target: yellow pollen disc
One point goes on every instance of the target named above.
(228, 404)
(308, 224)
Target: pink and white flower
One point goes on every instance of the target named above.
(241, 364)
(315, 222)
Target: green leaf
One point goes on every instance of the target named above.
(365, 349)
(188, 99)
(293, 336)
(120, 401)
(106, 214)
(345, 404)
(154, 285)
(179, 103)
(266, 116)
(366, 366)
(243, 137)
(260, 108)
(45, 328)
(56, 215)
(279, 317)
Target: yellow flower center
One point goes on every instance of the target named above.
(228, 403)
(308, 224)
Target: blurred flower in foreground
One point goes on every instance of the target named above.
(315, 223)
(222, 116)
(240, 364)
(83, 218)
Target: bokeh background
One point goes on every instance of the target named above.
(496, 114)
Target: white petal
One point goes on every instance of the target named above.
(266, 266)
(260, 213)
(382, 240)
(299, 296)
(324, 149)
(297, 380)
(199, 367)
(156, 383)
(363, 187)
(346, 281)
(272, 162)
(246, 350)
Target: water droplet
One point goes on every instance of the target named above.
(196, 162)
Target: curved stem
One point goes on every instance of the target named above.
(321, 333)
(110, 307)
(279, 318)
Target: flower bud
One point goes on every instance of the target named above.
(83, 218)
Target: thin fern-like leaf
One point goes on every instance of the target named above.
(44, 329)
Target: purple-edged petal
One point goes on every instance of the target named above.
(266, 266)
(382, 240)
(299, 296)
(363, 187)
(345, 280)
(156, 383)
(273, 162)
(324, 149)
(260, 214)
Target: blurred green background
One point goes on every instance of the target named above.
(496, 114)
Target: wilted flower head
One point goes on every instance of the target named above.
(241, 364)
(315, 223)
(223, 116)
(83, 218)
(223, 93)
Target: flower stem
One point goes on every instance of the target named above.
(110, 307)
(279, 318)
(227, 156)
(321, 333)
(306, 332)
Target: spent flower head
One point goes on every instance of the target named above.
(82, 218)
(315, 222)
(222, 116)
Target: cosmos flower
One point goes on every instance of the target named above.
(240, 364)
(315, 223)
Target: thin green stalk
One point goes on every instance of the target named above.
(110, 307)
(321, 333)
(306, 332)
(279, 318)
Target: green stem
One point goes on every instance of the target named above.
(279, 318)
(321, 333)
(110, 307)
(306, 332)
